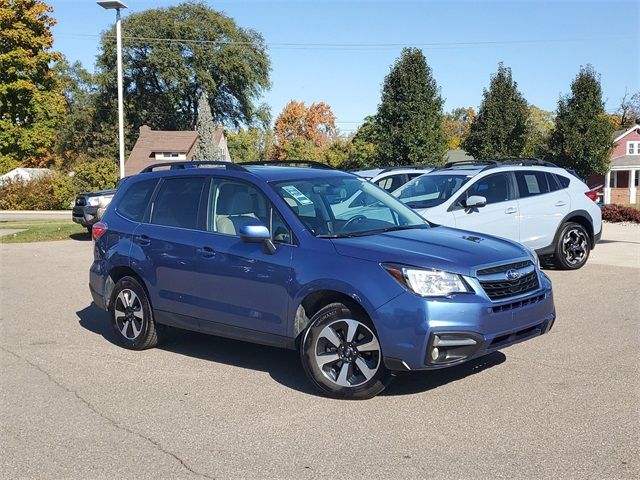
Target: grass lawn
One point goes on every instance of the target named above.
(41, 230)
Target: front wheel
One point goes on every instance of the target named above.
(572, 247)
(341, 354)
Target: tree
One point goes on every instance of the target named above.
(250, 144)
(205, 147)
(629, 110)
(501, 127)
(31, 101)
(539, 131)
(583, 137)
(409, 118)
(299, 129)
(201, 50)
(457, 124)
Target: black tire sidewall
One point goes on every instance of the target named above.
(322, 318)
(148, 335)
(560, 261)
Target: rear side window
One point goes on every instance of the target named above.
(553, 182)
(178, 202)
(531, 183)
(135, 200)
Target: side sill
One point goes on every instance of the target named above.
(223, 330)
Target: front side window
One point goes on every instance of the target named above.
(346, 206)
(429, 190)
(135, 200)
(531, 183)
(178, 202)
(495, 188)
(234, 204)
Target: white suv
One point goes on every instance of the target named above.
(536, 203)
(392, 178)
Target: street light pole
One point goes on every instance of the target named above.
(117, 6)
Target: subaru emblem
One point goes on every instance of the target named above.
(512, 274)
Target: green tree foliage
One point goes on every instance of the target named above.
(409, 120)
(163, 79)
(98, 174)
(501, 127)
(31, 101)
(250, 144)
(582, 138)
(457, 124)
(540, 127)
(206, 148)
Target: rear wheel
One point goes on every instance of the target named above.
(132, 316)
(341, 354)
(572, 247)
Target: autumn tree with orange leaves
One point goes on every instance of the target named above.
(302, 132)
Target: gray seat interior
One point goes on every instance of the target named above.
(234, 209)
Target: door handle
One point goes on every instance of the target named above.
(560, 203)
(142, 240)
(206, 252)
(511, 210)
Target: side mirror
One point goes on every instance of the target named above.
(475, 201)
(254, 233)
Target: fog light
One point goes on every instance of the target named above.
(435, 353)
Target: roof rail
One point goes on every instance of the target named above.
(471, 163)
(192, 164)
(528, 162)
(284, 163)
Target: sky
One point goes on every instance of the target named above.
(355, 43)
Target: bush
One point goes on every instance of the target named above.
(93, 175)
(54, 191)
(619, 213)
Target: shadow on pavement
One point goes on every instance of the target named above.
(83, 236)
(282, 365)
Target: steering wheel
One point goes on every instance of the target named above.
(356, 219)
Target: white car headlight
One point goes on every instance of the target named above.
(94, 201)
(427, 282)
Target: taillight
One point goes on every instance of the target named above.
(98, 230)
(592, 195)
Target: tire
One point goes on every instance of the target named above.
(572, 247)
(132, 315)
(347, 371)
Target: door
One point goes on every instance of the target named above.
(166, 248)
(542, 204)
(499, 216)
(242, 284)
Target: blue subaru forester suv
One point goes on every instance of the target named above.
(313, 259)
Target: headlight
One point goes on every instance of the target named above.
(534, 256)
(427, 282)
(94, 201)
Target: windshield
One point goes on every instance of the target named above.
(429, 190)
(346, 207)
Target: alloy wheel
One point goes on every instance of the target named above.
(128, 313)
(347, 352)
(575, 246)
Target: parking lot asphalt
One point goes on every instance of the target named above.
(75, 405)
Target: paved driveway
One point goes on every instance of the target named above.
(73, 404)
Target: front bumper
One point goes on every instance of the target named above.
(407, 325)
(85, 216)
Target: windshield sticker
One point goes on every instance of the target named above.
(299, 197)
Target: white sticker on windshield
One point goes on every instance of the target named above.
(300, 197)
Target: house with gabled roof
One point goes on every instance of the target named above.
(157, 146)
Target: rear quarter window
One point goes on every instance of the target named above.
(564, 181)
(135, 200)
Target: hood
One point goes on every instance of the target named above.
(443, 248)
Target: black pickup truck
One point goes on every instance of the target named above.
(85, 208)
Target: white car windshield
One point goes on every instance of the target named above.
(346, 207)
(429, 190)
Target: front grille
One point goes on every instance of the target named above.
(504, 268)
(519, 304)
(498, 289)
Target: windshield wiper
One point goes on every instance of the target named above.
(374, 232)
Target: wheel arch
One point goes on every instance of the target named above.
(115, 274)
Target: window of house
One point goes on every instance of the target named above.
(633, 148)
(178, 202)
